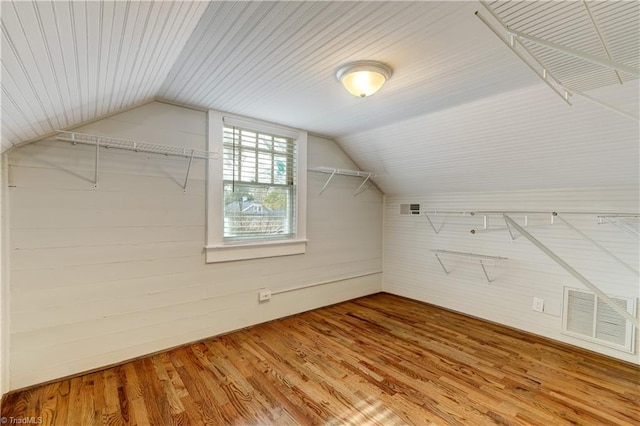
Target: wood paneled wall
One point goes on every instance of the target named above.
(103, 275)
(411, 270)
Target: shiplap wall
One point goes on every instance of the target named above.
(103, 275)
(411, 270)
(4, 287)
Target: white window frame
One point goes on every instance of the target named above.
(216, 248)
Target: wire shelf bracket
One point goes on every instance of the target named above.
(607, 63)
(137, 146)
(445, 213)
(343, 172)
(598, 245)
(622, 222)
(481, 259)
(600, 37)
(618, 220)
(544, 74)
(437, 231)
(486, 227)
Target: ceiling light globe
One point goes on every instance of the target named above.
(363, 78)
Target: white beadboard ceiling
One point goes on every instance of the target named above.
(599, 28)
(461, 111)
(64, 62)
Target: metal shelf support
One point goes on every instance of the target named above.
(618, 219)
(601, 37)
(186, 178)
(621, 222)
(555, 86)
(129, 145)
(515, 39)
(362, 185)
(486, 228)
(598, 245)
(327, 182)
(446, 213)
(607, 106)
(578, 53)
(95, 177)
(481, 259)
(437, 231)
(343, 172)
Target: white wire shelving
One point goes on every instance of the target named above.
(517, 41)
(625, 221)
(479, 259)
(108, 142)
(343, 172)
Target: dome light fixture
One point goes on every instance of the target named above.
(363, 78)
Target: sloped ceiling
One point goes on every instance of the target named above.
(517, 140)
(277, 62)
(64, 63)
(460, 112)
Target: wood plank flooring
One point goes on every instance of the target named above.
(381, 359)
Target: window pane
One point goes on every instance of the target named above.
(257, 211)
(265, 142)
(230, 134)
(259, 190)
(265, 167)
(280, 144)
(248, 139)
(248, 166)
(228, 166)
(280, 169)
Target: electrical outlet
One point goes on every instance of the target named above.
(264, 295)
(538, 304)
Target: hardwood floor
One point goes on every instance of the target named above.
(381, 359)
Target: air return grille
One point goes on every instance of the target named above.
(409, 208)
(588, 317)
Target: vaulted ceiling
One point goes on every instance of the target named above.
(461, 111)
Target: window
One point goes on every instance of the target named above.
(256, 189)
(259, 185)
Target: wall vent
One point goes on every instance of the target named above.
(409, 208)
(588, 317)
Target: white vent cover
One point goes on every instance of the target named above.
(409, 208)
(588, 317)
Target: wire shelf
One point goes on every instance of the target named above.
(137, 146)
(343, 172)
(109, 142)
(471, 257)
(479, 259)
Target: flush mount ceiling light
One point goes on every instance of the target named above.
(363, 78)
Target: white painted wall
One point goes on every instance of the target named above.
(103, 275)
(411, 270)
(4, 282)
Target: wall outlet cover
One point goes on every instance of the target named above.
(264, 295)
(538, 304)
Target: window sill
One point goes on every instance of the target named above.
(254, 250)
